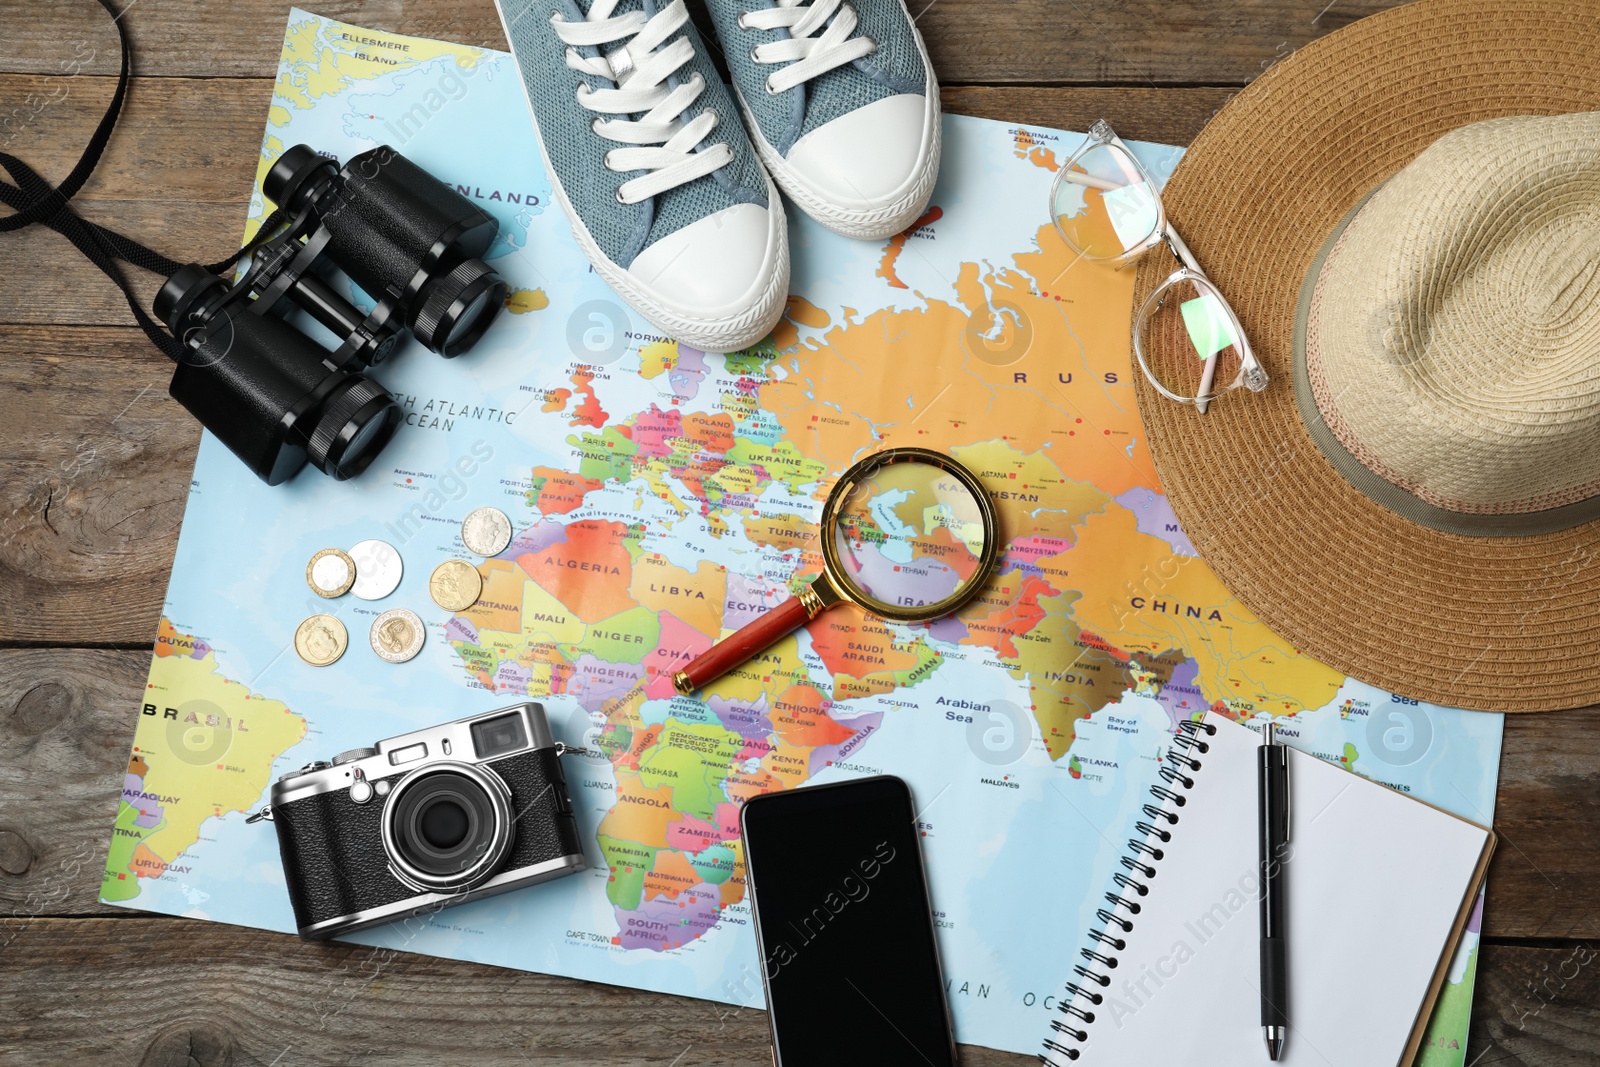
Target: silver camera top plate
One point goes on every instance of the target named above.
(405, 753)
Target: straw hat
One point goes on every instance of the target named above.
(1406, 217)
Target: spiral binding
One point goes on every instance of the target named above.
(1177, 777)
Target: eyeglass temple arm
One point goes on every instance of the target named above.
(1105, 185)
(1181, 250)
(1132, 174)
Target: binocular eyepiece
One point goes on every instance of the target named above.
(273, 395)
(403, 236)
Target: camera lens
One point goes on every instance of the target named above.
(447, 827)
(443, 824)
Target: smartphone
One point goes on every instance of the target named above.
(842, 916)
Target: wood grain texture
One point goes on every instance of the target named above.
(1547, 862)
(181, 993)
(97, 461)
(154, 154)
(1134, 42)
(44, 281)
(64, 742)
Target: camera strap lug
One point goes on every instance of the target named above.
(265, 813)
(564, 749)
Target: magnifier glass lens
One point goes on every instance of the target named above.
(910, 535)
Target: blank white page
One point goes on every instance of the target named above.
(1375, 882)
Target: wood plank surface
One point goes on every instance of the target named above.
(181, 993)
(1041, 42)
(97, 459)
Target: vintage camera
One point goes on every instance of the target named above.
(271, 393)
(424, 821)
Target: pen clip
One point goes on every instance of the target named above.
(1288, 798)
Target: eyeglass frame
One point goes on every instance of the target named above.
(1252, 375)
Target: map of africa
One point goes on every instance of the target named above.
(662, 497)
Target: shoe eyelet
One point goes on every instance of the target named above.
(743, 25)
(605, 161)
(871, 40)
(770, 90)
(621, 201)
(594, 127)
(753, 58)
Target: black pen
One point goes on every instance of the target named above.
(1273, 791)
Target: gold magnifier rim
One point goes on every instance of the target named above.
(833, 567)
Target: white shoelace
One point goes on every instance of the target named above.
(660, 142)
(806, 54)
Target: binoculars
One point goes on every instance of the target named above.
(275, 396)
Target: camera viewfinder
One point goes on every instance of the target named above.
(499, 735)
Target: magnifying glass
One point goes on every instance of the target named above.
(908, 534)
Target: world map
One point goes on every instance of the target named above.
(663, 497)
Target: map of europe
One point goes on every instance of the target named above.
(663, 497)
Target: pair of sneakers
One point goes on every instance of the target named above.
(669, 196)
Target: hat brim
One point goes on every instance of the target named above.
(1491, 623)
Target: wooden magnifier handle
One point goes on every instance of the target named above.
(755, 636)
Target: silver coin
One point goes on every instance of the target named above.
(486, 531)
(397, 635)
(378, 569)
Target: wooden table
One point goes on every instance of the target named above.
(94, 467)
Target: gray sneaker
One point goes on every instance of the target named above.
(647, 156)
(842, 104)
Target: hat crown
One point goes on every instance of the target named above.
(1567, 283)
(1453, 345)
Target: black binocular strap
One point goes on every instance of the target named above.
(37, 201)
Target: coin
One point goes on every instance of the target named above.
(455, 585)
(486, 531)
(397, 635)
(378, 569)
(320, 640)
(331, 573)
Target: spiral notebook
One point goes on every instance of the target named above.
(1379, 888)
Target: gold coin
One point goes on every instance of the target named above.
(455, 585)
(397, 635)
(320, 640)
(331, 573)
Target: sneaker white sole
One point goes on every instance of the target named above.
(719, 334)
(899, 209)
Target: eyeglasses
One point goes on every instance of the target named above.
(1107, 209)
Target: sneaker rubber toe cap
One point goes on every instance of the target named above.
(867, 157)
(711, 268)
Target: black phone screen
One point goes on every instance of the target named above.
(846, 934)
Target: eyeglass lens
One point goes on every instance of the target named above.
(1189, 324)
(1102, 205)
